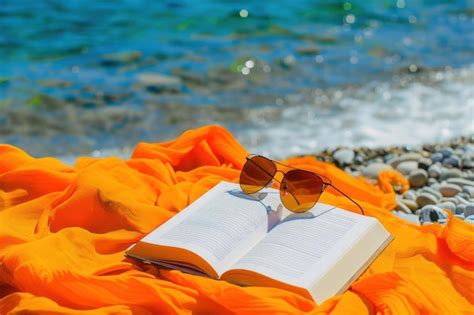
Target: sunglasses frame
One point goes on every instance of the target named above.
(326, 181)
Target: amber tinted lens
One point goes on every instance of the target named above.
(300, 190)
(256, 174)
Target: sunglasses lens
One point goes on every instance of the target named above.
(256, 174)
(300, 190)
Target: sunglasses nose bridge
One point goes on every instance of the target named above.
(280, 177)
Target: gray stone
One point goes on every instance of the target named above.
(411, 204)
(412, 218)
(359, 159)
(432, 181)
(426, 199)
(373, 170)
(407, 166)
(435, 185)
(469, 219)
(459, 216)
(469, 177)
(412, 156)
(461, 182)
(446, 152)
(458, 152)
(431, 191)
(431, 213)
(443, 220)
(158, 83)
(460, 209)
(344, 157)
(435, 170)
(469, 210)
(437, 157)
(448, 205)
(452, 161)
(451, 173)
(424, 163)
(469, 190)
(410, 195)
(408, 217)
(449, 199)
(449, 190)
(467, 164)
(417, 177)
(462, 200)
(402, 207)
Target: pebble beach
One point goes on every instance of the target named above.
(441, 176)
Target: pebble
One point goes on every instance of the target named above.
(449, 199)
(449, 190)
(410, 195)
(461, 182)
(373, 170)
(448, 205)
(435, 185)
(462, 200)
(431, 213)
(470, 219)
(344, 156)
(417, 177)
(406, 167)
(411, 204)
(432, 181)
(460, 209)
(467, 164)
(426, 199)
(435, 170)
(424, 163)
(450, 173)
(469, 190)
(452, 161)
(402, 207)
(409, 217)
(437, 157)
(412, 157)
(446, 152)
(469, 210)
(431, 191)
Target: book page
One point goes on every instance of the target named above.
(220, 226)
(303, 246)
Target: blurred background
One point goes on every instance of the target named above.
(286, 77)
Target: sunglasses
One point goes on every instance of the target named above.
(299, 189)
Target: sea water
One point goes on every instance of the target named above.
(286, 77)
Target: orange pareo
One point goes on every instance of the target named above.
(64, 230)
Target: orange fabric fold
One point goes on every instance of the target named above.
(64, 230)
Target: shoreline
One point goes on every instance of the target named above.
(441, 176)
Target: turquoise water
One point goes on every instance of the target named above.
(286, 77)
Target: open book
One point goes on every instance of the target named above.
(254, 240)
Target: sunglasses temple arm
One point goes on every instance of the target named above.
(341, 192)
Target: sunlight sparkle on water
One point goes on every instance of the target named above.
(244, 13)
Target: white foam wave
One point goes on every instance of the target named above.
(435, 108)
